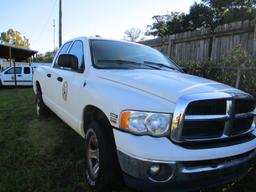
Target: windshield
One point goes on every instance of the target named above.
(122, 55)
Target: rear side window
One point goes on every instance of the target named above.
(11, 71)
(27, 70)
(78, 51)
(63, 50)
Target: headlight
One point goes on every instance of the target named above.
(142, 123)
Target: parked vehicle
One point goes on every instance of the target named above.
(23, 76)
(144, 120)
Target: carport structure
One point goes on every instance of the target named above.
(16, 54)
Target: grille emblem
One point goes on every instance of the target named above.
(230, 112)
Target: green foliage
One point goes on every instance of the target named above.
(232, 10)
(199, 16)
(159, 27)
(226, 70)
(14, 38)
(47, 57)
(209, 13)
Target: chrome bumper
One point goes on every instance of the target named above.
(184, 176)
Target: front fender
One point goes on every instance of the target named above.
(113, 98)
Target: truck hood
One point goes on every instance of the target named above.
(169, 85)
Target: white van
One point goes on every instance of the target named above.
(23, 76)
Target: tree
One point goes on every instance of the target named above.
(232, 10)
(133, 33)
(47, 57)
(177, 23)
(14, 38)
(200, 16)
(159, 26)
(208, 14)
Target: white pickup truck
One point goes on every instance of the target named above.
(144, 120)
(23, 75)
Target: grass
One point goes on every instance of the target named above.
(36, 155)
(46, 155)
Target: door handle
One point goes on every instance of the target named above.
(60, 79)
(19, 75)
(49, 75)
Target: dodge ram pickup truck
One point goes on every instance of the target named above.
(144, 121)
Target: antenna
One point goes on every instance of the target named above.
(60, 23)
(53, 34)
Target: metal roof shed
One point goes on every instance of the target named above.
(16, 53)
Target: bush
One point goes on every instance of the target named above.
(236, 63)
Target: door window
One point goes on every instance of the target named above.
(78, 51)
(63, 50)
(11, 70)
(26, 70)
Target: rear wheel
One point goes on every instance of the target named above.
(41, 109)
(101, 165)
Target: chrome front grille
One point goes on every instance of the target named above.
(209, 117)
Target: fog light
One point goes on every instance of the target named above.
(154, 169)
(161, 173)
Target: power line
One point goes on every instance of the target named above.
(47, 21)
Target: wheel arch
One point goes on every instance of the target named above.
(38, 87)
(92, 112)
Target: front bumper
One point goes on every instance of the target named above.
(182, 175)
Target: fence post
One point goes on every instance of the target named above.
(238, 77)
(254, 41)
(170, 46)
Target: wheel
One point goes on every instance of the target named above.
(101, 166)
(41, 109)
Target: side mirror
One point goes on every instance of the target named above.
(68, 61)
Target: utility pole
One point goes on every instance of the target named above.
(60, 23)
(53, 34)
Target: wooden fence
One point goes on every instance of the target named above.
(201, 45)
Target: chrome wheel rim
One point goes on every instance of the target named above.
(93, 155)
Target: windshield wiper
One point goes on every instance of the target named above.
(120, 61)
(150, 63)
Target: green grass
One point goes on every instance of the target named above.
(46, 155)
(36, 155)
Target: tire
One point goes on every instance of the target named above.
(41, 109)
(102, 170)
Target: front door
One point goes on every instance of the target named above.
(53, 87)
(8, 77)
(70, 83)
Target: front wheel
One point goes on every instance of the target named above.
(101, 166)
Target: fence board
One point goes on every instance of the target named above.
(195, 46)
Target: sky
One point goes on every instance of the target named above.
(107, 18)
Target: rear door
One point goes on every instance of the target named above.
(26, 77)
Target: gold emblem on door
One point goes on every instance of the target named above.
(65, 91)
